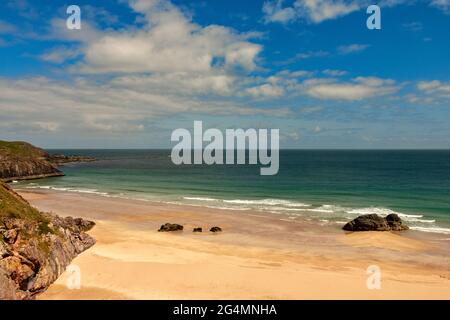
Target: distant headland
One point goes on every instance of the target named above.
(22, 161)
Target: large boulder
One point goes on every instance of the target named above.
(374, 222)
(170, 227)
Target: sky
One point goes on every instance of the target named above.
(139, 69)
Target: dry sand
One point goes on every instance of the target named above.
(256, 257)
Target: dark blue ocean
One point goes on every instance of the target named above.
(331, 187)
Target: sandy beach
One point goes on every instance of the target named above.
(257, 256)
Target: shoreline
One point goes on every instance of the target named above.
(307, 212)
(34, 177)
(300, 261)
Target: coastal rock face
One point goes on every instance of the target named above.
(21, 160)
(170, 227)
(373, 222)
(35, 247)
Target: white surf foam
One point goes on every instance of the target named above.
(199, 199)
(432, 229)
(268, 202)
(382, 212)
(80, 190)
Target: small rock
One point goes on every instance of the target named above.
(216, 229)
(198, 230)
(169, 227)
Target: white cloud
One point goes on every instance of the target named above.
(334, 73)
(274, 12)
(118, 105)
(317, 11)
(59, 54)
(265, 90)
(314, 11)
(435, 89)
(352, 48)
(320, 10)
(358, 89)
(296, 74)
(443, 5)
(182, 83)
(168, 42)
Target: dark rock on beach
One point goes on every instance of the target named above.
(374, 222)
(35, 247)
(198, 230)
(170, 227)
(216, 229)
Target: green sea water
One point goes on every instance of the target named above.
(328, 186)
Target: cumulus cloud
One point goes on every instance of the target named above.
(123, 78)
(435, 89)
(168, 42)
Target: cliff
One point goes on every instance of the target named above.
(35, 247)
(23, 161)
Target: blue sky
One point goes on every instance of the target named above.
(138, 69)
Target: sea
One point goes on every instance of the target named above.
(328, 186)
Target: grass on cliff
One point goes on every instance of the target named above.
(13, 206)
(19, 149)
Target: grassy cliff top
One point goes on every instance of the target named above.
(14, 206)
(20, 149)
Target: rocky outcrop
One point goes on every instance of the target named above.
(170, 227)
(27, 170)
(60, 159)
(23, 161)
(374, 222)
(35, 247)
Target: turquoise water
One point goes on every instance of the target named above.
(328, 186)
